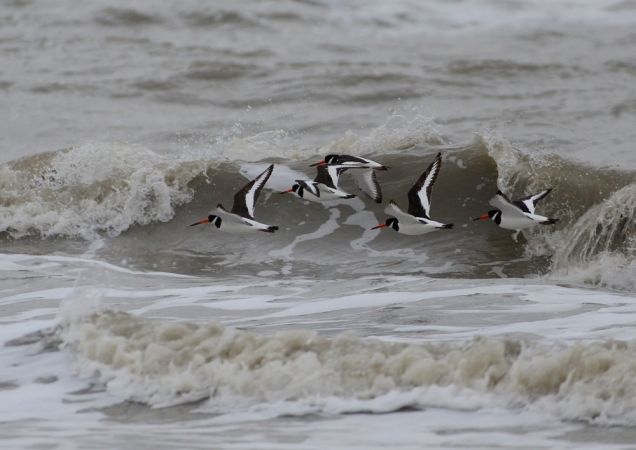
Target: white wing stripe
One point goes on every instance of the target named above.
(422, 193)
(366, 180)
(250, 196)
(531, 203)
(333, 174)
(310, 186)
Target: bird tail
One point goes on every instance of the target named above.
(447, 226)
(549, 222)
(349, 196)
(270, 229)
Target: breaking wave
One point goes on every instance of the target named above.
(91, 189)
(101, 189)
(595, 243)
(162, 364)
(105, 188)
(600, 248)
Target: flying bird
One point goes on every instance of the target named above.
(517, 215)
(322, 188)
(240, 220)
(364, 173)
(417, 220)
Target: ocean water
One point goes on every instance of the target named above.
(122, 327)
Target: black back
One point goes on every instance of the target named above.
(339, 159)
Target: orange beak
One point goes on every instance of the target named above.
(382, 225)
(318, 163)
(482, 217)
(287, 191)
(200, 222)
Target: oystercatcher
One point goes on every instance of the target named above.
(323, 188)
(240, 219)
(417, 221)
(364, 175)
(517, 215)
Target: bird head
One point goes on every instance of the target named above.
(390, 222)
(216, 220)
(492, 214)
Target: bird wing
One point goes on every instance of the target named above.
(245, 199)
(329, 175)
(529, 203)
(309, 186)
(367, 181)
(357, 162)
(503, 203)
(420, 193)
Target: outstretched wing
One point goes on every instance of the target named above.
(309, 186)
(368, 182)
(245, 199)
(529, 203)
(503, 203)
(357, 162)
(329, 175)
(420, 193)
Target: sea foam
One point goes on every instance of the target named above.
(165, 363)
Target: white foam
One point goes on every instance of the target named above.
(397, 133)
(31, 262)
(163, 363)
(597, 248)
(606, 269)
(600, 248)
(91, 189)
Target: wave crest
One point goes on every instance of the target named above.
(600, 248)
(161, 363)
(91, 189)
(596, 239)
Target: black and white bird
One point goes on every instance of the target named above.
(517, 215)
(240, 220)
(322, 188)
(364, 173)
(418, 220)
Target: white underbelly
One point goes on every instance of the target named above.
(239, 229)
(243, 228)
(415, 229)
(517, 223)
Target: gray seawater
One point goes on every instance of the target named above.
(121, 123)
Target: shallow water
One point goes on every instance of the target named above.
(122, 327)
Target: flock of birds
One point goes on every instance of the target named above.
(512, 215)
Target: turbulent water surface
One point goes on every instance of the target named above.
(122, 327)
